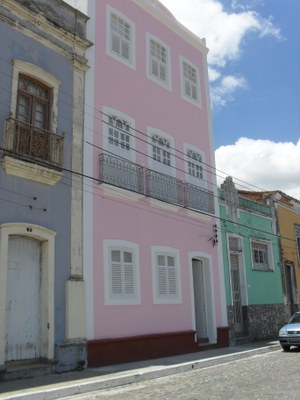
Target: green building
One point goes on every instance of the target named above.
(254, 295)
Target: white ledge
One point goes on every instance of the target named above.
(33, 172)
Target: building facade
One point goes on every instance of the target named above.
(251, 252)
(153, 266)
(42, 69)
(287, 213)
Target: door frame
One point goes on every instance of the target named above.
(47, 239)
(206, 260)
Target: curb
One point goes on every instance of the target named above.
(87, 385)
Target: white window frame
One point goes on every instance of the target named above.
(159, 166)
(164, 83)
(122, 246)
(131, 60)
(297, 238)
(197, 102)
(111, 148)
(261, 266)
(165, 298)
(194, 180)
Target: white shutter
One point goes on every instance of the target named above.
(172, 281)
(116, 279)
(128, 279)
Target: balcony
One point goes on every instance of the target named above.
(130, 176)
(29, 143)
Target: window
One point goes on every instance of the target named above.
(30, 131)
(158, 61)
(161, 151)
(194, 162)
(194, 171)
(119, 134)
(166, 283)
(190, 88)
(261, 256)
(33, 102)
(120, 37)
(297, 235)
(121, 273)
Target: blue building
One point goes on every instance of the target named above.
(42, 73)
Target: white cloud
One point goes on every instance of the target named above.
(225, 33)
(227, 86)
(265, 164)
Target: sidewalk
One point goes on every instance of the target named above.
(56, 386)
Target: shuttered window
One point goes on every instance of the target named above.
(122, 273)
(166, 277)
(190, 83)
(120, 37)
(158, 61)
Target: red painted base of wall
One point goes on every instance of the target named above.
(137, 348)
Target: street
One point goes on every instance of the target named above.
(273, 375)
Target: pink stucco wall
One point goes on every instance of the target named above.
(131, 92)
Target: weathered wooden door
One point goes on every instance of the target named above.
(23, 299)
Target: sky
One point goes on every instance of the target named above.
(254, 71)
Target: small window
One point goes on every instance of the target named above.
(158, 61)
(122, 273)
(166, 282)
(261, 256)
(190, 84)
(120, 37)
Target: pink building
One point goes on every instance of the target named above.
(153, 265)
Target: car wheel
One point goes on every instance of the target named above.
(285, 347)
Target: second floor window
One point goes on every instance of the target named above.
(194, 164)
(33, 103)
(161, 150)
(119, 133)
(261, 259)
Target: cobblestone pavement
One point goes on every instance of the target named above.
(271, 376)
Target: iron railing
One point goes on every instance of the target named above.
(30, 143)
(127, 175)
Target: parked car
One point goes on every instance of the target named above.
(289, 335)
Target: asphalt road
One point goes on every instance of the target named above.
(274, 375)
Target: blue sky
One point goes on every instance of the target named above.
(269, 107)
(254, 70)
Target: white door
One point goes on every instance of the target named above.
(199, 299)
(23, 299)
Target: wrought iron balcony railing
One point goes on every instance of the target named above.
(25, 141)
(128, 175)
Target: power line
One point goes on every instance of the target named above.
(197, 211)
